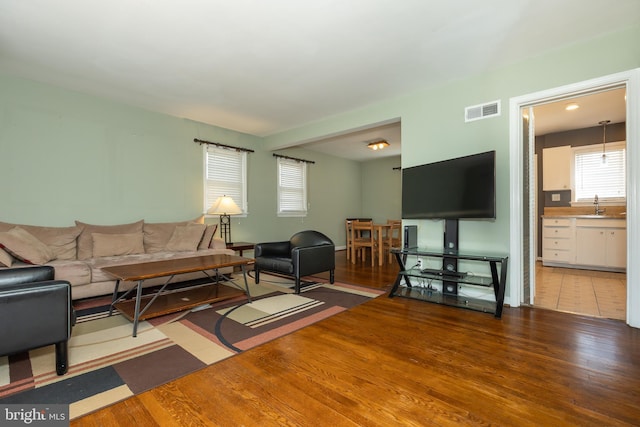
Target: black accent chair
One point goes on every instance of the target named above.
(35, 311)
(307, 252)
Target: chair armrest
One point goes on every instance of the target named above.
(39, 313)
(271, 249)
(12, 276)
(313, 259)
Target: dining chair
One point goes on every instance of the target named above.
(348, 223)
(393, 239)
(362, 237)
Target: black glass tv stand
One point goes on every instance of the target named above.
(451, 280)
(443, 273)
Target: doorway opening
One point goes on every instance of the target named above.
(524, 245)
(576, 270)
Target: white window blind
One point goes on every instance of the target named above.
(225, 175)
(593, 176)
(292, 188)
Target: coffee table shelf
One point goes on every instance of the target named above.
(177, 301)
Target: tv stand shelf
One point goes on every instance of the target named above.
(451, 280)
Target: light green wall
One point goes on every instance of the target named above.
(382, 189)
(67, 156)
(433, 126)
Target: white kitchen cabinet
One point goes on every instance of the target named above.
(558, 242)
(590, 246)
(601, 243)
(556, 168)
(587, 243)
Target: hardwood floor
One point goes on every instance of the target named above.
(402, 362)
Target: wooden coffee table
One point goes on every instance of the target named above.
(166, 302)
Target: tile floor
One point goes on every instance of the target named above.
(587, 292)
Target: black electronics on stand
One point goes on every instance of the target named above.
(410, 236)
(449, 264)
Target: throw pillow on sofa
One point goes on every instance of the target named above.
(85, 240)
(207, 237)
(6, 260)
(24, 246)
(116, 244)
(186, 238)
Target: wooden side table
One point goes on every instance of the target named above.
(241, 246)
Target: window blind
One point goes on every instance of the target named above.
(225, 175)
(292, 188)
(593, 176)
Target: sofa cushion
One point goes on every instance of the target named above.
(62, 240)
(96, 264)
(23, 245)
(85, 240)
(116, 244)
(75, 272)
(5, 258)
(281, 265)
(186, 238)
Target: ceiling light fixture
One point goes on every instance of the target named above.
(378, 145)
(572, 106)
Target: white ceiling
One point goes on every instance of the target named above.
(262, 67)
(353, 145)
(593, 108)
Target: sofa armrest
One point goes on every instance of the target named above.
(273, 249)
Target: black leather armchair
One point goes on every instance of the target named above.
(35, 311)
(307, 252)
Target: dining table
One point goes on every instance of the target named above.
(380, 233)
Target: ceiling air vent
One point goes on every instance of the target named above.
(482, 111)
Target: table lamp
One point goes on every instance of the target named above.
(225, 206)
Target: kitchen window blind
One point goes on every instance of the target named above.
(593, 176)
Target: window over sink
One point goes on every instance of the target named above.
(600, 171)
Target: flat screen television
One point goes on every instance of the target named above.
(464, 187)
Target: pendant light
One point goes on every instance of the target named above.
(604, 124)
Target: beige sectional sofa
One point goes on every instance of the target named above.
(79, 252)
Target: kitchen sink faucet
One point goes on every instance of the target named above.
(598, 211)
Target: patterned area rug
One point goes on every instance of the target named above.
(106, 364)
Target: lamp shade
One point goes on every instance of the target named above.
(224, 205)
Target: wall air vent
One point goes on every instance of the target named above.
(482, 111)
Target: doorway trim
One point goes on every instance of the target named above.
(631, 80)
